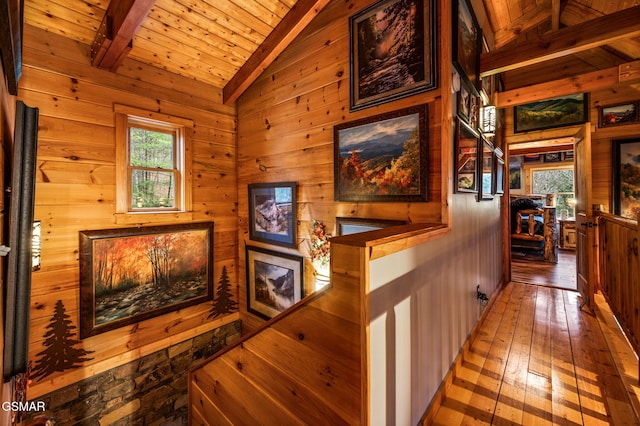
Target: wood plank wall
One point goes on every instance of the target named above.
(285, 131)
(76, 186)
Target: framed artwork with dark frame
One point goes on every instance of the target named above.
(467, 42)
(392, 49)
(466, 152)
(382, 158)
(618, 114)
(485, 190)
(552, 157)
(11, 22)
(352, 225)
(498, 174)
(626, 177)
(272, 213)
(556, 112)
(274, 281)
(128, 275)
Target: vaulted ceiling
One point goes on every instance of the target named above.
(226, 43)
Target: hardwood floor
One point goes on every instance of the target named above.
(538, 360)
(535, 271)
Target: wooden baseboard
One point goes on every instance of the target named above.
(441, 393)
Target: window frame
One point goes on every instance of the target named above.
(127, 117)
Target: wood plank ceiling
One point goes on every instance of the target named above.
(212, 40)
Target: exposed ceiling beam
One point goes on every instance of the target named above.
(291, 25)
(114, 38)
(555, 15)
(524, 23)
(625, 73)
(566, 41)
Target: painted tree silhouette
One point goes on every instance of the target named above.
(60, 353)
(223, 304)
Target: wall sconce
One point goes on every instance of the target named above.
(489, 120)
(36, 241)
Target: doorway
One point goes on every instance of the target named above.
(543, 173)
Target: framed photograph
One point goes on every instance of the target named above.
(272, 213)
(626, 177)
(382, 158)
(131, 274)
(351, 225)
(498, 174)
(567, 156)
(466, 149)
(485, 191)
(556, 112)
(467, 42)
(274, 281)
(552, 157)
(615, 115)
(392, 49)
(532, 158)
(463, 102)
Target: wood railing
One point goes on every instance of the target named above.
(308, 365)
(619, 271)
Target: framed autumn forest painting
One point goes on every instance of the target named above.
(382, 158)
(392, 49)
(131, 274)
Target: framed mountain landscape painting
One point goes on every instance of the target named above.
(392, 51)
(382, 158)
(556, 112)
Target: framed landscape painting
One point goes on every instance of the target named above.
(467, 42)
(626, 178)
(382, 158)
(615, 115)
(274, 281)
(556, 112)
(392, 51)
(131, 274)
(466, 158)
(272, 213)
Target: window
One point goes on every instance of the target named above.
(153, 171)
(557, 181)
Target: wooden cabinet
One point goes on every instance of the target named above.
(567, 234)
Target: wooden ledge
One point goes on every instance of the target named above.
(386, 241)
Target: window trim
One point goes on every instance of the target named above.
(124, 117)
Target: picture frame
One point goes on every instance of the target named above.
(274, 281)
(532, 158)
(11, 20)
(618, 114)
(626, 181)
(414, 62)
(486, 181)
(466, 158)
(568, 156)
(128, 275)
(273, 213)
(498, 173)
(552, 157)
(352, 225)
(467, 42)
(550, 113)
(515, 174)
(383, 157)
(463, 102)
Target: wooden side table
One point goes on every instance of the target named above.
(567, 233)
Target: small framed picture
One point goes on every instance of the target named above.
(466, 151)
(274, 281)
(486, 171)
(498, 175)
(552, 157)
(272, 213)
(615, 115)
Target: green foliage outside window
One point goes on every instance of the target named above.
(559, 182)
(152, 162)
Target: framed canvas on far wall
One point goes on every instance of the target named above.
(272, 213)
(626, 177)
